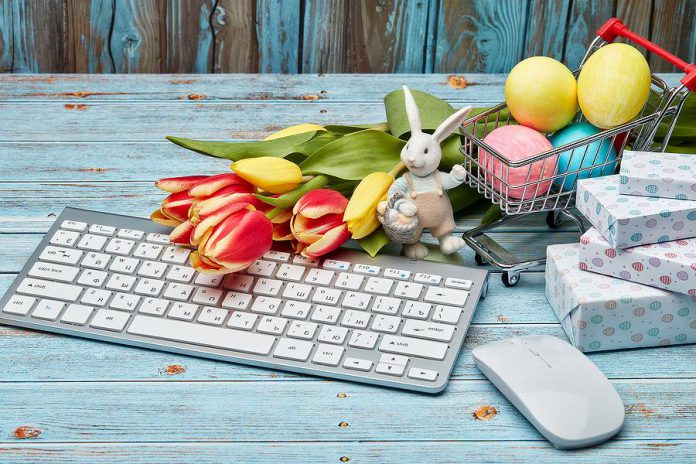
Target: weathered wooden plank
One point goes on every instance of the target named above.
(324, 42)
(280, 411)
(546, 28)
(586, 16)
(188, 37)
(636, 14)
(38, 37)
(6, 37)
(480, 36)
(236, 47)
(512, 452)
(136, 36)
(673, 29)
(87, 42)
(278, 31)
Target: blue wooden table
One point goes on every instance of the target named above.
(98, 142)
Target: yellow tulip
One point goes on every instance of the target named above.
(361, 213)
(294, 130)
(274, 175)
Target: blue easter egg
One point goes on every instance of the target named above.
(583, 157)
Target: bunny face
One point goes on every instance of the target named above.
(422, 154)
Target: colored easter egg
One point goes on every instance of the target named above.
(613, 85)
(582, 158)
(541, 93)
(518, 143)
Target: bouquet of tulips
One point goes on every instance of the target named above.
(310, 186)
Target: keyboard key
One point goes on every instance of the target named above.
(124, 301)
(153, 306)
(158, 238)
(236, 300)
(297, 350)
(430, 279)
(446, 296)
(336, 265)
(319, 277)
(20, 305)
(349, 281)
(305, 261)
(198, 334)
(408, 290)
(119, 246)
(207, 296)
(177, 255)
(356, 300)
(124, 265)
(92, 278)
(447, 314)
(95, 297)
(296, 310)
(363, 339)
(379, 286)
(416, 310)
(241, 320)
(290, 272)
(326, 314)
(326, 296)
(261, 268)
(422, 374)
(386, 305)
(387, 324)
(65, 238)
(302, 329)
(148, 250)
(366, 269)
(102, 230)
(177, 291)
(396, 359)
(265, 305)
(120, 282)
(152, 269)
(356, 319)
(48, 309)
(181, 274)
(428, 330)
(334, 335)
(413, 347)
(92, 242)
(74, 225)
(60, 255)
(238, 282)
(212, 316)
(95, 260)
(131, 234)
(77, 314)
(268, 287)
(277, 255)
(110, 320)
(363, 365)
(458, 283)
(398, 274)
(54, 271)
(297, 291)
(209, 280)
(390, 369)
(149, 287)
(272, 325)
(183, 311)
(328, 355)
(36, 287)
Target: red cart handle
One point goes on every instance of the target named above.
(615, 28)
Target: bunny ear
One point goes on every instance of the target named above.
(412, 111)
(451, 124)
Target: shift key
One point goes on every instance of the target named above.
(55, 290)
(413, 347)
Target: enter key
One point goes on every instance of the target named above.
(428, 330)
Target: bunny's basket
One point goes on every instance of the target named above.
(492, 176)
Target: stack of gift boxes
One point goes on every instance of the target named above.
(631, 281)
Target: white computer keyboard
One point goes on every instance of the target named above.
(390, 320)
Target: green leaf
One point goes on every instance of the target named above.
(451, 153)
(435, 254)
(432, 111)
(349, 129)
(355, 155)
(288, 200)
(462, 197)
(493, 214)
(374, 242)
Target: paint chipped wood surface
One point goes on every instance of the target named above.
(71, 400)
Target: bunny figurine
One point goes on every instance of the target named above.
(421, 190)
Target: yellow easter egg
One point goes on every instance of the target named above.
(613, 85)
(541, 93)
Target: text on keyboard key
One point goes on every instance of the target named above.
(48, 309)
(60, 255)
(297, 350)
(53, 271)
(20, 305)
(428, 330)
(74, 225)
(64, 237)
(328, 355)
(110, 320)
(45, 288)
(446, 296)
(102, 230)
(413, 347)
(92, 242)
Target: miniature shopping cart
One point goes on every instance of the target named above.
(491, 177)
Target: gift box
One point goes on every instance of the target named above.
(627, 220)
(664, 175)
(668, 265)
(601, 313)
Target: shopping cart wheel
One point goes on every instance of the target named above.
(510, 279)
(554, 220)
(479, 260)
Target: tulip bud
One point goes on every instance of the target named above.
(275, 175)
(317, 223)
(361, 212)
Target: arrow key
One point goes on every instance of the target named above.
(422, 374)
(358, 364)
(390, 369)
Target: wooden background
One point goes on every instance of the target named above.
(317, 36)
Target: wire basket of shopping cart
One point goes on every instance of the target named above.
(545, 187)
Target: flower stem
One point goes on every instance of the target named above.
(307, 178)
(397, 169)
(274, 212)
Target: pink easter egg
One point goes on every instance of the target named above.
(518, 143)
(583, 266)
(665, 280)
(610, 252)
(637, 266)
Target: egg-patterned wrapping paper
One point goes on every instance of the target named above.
(663, 175)
(627, 220)
(600, 313)
(668, 265)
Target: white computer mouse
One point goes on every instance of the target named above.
(556, 387)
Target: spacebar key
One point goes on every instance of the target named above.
(216, 337)
(413, 347)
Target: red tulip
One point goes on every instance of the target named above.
(317, 222)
